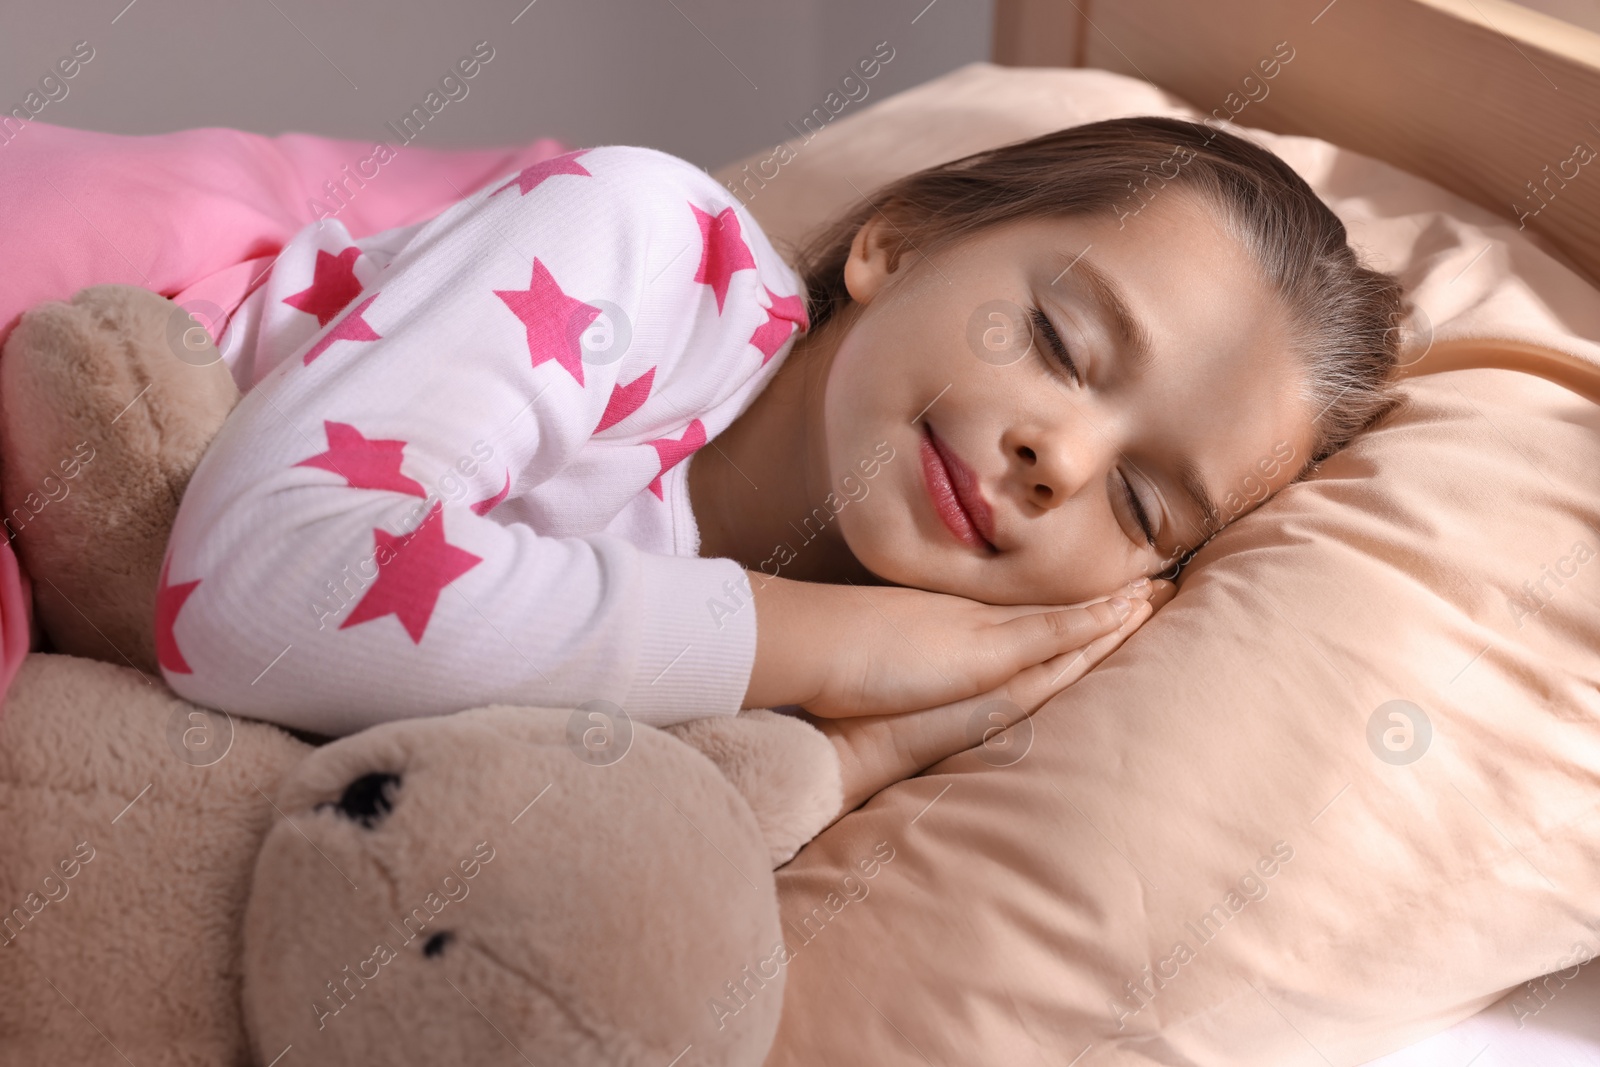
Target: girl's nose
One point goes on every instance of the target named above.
(1058, 461)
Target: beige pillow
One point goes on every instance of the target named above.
(1229, 845)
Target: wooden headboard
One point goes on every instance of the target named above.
(1495, 102)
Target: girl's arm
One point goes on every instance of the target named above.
(437, 500)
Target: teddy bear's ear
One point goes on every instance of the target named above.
(106, 405)
(786, 769)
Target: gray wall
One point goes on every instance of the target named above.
(709, 80)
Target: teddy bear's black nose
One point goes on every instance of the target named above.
(365, 800)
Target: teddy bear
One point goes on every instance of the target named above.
(182, 886)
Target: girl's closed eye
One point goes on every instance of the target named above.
(1140, 515)
(1046, 329)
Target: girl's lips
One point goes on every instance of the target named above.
(956, 496)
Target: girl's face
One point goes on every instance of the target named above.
(1065, 468)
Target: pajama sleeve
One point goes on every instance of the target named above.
(318, 575)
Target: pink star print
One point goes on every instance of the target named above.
(362, 462)
(783, 315)
(530, 177)
(169, 601)
(724, 252)
(350, 328)
(420, 564)
(554, 320)
(672, 452)
(333, 286)
(483, 507)
(625, 399)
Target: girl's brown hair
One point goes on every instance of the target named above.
(1346, 316)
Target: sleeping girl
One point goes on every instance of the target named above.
(586, 436)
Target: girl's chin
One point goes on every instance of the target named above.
(930, 575)
(891, 568)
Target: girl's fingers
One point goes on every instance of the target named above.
(878, 750)
(1156, 590)
(1044, 681)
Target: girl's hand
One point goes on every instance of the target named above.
(846, 650)
(878, 750)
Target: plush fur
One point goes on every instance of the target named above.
(179, 886)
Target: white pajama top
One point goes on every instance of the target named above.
(457, 475)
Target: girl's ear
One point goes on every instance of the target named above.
(874, 256)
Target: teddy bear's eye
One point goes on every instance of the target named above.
(435, 944)
(365, 800)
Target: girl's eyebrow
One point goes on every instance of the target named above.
(1107, 297)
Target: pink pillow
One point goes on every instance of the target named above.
(169, 210)
(195, 215)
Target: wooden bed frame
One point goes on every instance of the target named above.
(1496, 102)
